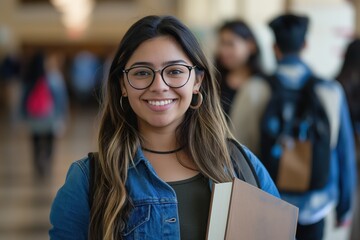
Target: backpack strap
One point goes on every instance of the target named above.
(92, 158)
(246, 169)
(272, 80)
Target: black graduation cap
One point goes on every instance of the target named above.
(290, 31)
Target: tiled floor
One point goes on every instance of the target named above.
(25, 202)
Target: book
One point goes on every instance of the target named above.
(239, 211)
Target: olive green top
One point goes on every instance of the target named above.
(193, 197)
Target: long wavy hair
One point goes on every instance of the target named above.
(349, 77)
(203, 132)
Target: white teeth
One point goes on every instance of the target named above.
(160, 103)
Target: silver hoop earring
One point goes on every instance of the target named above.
(196, 101)
(121, 103)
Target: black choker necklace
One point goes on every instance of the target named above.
(162, 152)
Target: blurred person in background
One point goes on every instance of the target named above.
(349, 77)
(54, 72)
(237, 59)
(44, 106)
(10, 67)
(10, 83)
(305, 135)
(85, 75)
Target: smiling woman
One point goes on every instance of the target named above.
(162, 132)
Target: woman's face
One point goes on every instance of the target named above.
(233, 51)
(159, 105)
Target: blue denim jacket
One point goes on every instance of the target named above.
(155, 213)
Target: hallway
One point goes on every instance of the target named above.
(25, 201)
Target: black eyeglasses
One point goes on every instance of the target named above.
(174, 75)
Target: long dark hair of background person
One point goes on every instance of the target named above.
(349, 77)
(34, 69)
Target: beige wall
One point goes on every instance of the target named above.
(42, 23)
(332, 25)
(357, 17)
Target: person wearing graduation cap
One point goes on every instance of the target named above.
(250, 124)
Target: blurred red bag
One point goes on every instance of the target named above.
(40, 102)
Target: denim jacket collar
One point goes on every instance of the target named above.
(139, 157)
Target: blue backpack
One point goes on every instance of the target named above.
(295, 138)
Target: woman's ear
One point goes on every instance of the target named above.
(198, 80)
(123, 88)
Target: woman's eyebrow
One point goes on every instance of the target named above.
(174, 62)
(180, 61)
(142, 64)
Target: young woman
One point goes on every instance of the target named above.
(238, 60)
(162, 143)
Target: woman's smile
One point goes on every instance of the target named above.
(159, 105)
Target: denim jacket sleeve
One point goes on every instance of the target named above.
(345, 150)
(266, 182)
(69, 214)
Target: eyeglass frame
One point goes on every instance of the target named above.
(161, 71)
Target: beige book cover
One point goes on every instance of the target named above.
(241, 211)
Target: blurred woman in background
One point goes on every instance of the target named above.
(44, 107)
(237, 59)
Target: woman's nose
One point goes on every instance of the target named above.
(158, 83)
